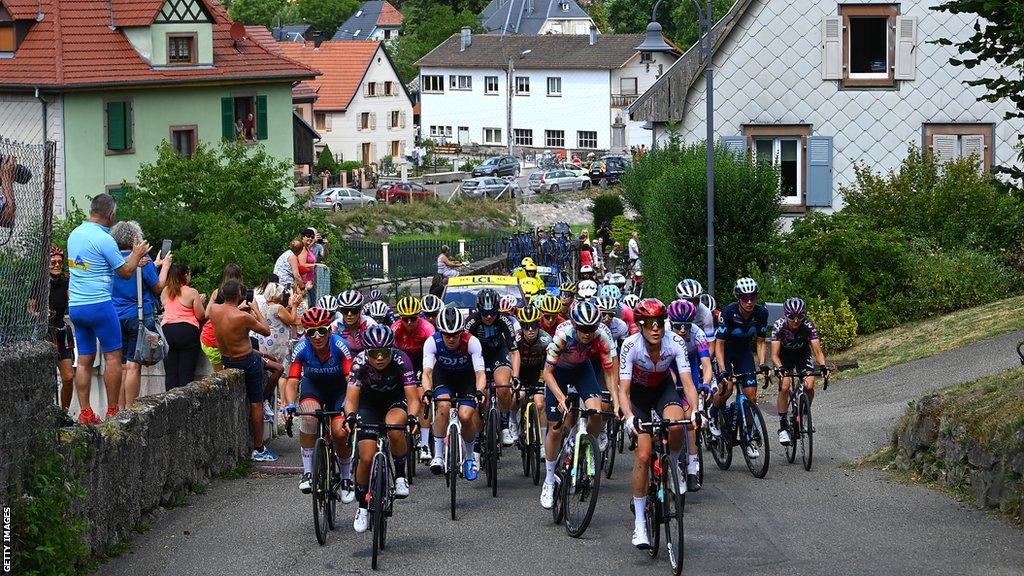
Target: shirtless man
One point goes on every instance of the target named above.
(232, 322)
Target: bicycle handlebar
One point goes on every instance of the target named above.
(318, 414)
(649, 427)
(819, 371)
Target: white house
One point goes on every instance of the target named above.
(568, 90)
(534, 17)
(374, 20)
(820, 87)
(362, 110)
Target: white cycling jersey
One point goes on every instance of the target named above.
(468, 356)
(637, 366)
(619, 329)
(706, 320)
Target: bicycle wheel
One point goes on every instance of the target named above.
(806, 432)
(721, 445)
(378, 506)
(752, 433)
(582, 487)
(700, 440)
(621, 440)
(453, 463)
(537, 467)
(672, 515)
(608, 457)
(411, 456)
(332, 492)
(320, 489)
(491, 456)
(794, 437)
(524, 441)
(652, 516)
(558, 505)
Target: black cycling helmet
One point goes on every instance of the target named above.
(487, 301)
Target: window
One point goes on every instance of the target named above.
(396, 148)
(183, 140)
(490, 84)
(119, 125)
(492, 136)
(646, 57)
(245, 118)
(554, 86)
(627, 86)
(181, 49)
(321, 121)
(389, 88)
(783, 146)
(522, 85)
(371, 89)
(868, 46)
(367, 121)
(586, 139)
(554, 138)
(522, 137)
(396, 119)
(440, 131)
(951, 141)
(6, 35)
(460, 82)
(433, 83)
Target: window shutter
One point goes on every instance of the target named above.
(944, 147)
(261, 117)
(832, 48)
(373, 120)
(401, 119)
(366, 90)
(819, 171)
(115, 126)
(227, 118)
(128, 126)
(973, 145)
(359, 153)
(327, 121)
(373, 153)
(906, 47)
(736, 144)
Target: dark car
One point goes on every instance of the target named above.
(497, 166)
(403, 192)
(608, 170)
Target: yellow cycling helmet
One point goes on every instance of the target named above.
(528, 314)
(568, 288)
(409, 306)
(527, 262)
(529, 266)
(550, 305)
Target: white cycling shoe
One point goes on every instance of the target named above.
(401, 488)
(348, 492)
(424, 454)
(784, 438)
(513, 428)
(362, 521)
(640, 539)
(547, 496)
(305, 484)
(752, 452)
(713, 427)
(437, 465)
(507, 439)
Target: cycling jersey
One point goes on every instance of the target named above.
(794, 340)
(550, 329)
(494, 339)
(410, 340)
(566, 351)
(397, 375)
(626, 314)
(354, 336)
(739, 332)
(339, 322)
(532, 356)
(467, 357)
(696, 343)
(328, 374)
(705, 319)
(637, 366)
(619, 330)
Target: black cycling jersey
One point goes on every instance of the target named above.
(396, 375)
(532, 356)
(494, 339)
(794, 340)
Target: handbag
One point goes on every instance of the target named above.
(150, 347)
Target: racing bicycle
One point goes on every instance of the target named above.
(326, 479)
(381, 493)
(529, 441)
(801, 426)
(578, 472)
(453, 451)
(741, 424)
(666, 493)
(491, 452)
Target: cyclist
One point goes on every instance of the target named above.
(453, 365)
(795, 347)
(645, 385)
(497, 336)
(532, 343)
(329, 303)
(586, 272)
(568, 364)
(610, 308)
(567, 295)
(681, 314)
(587, 290)
(320, 371)
(374, 296)
(624, 312)
(380, 312)
(551, 317)
(691, 291)
(507, 305)
(411, 331)
(353, 323)
(432, 306)
(742, 322)
(383, 390)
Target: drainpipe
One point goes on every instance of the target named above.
(45, 115)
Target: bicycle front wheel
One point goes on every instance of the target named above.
(608, 457)
(412, 455)
(672, 514)
(491, 458)
(537, 465)
(321, 488)
(721, 446)
(453, 464)
(806, 432)
(378, 506)
(582, 486)
(753, 435)
(524, 440)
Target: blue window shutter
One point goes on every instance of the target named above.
(735, 144)
(819, 171)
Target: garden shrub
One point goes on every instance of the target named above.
(837, 323)
(605, 208)
(326, 162)
(947, 281)
(622, 230)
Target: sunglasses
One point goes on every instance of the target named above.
(350, 310)
(550, 317)
(317, 332)
(410, 318)
(748, 298)
(586, 329)
(530, 326)
(678, 325)
(651, 323)
(608, 315)
(426, 315)
(379, 353)
(795, 317)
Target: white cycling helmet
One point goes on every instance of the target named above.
(631, 300)
(745, 285)
(451, 320)
(432, 304)
(586, 269)
(377, 309)
(350, 299)
(587, 289)
(328, 302)
(619, 280)
(688, 289)
(709, 301)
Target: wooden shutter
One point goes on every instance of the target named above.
(906, 47)
(128, 125)
(736, 144)
(973, 145)
(944, 147)
(227, 118)
(373, 120)
(116, 122)
(819, 171)
(832, 48)
(261, 117)
(401, 119)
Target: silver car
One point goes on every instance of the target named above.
(337, 199)
(488, 187)
(554, 181)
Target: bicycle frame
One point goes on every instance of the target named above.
(577, 429)
(742, 400)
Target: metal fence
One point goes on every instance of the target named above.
(415, 258)
(26, 224)
(365, 259)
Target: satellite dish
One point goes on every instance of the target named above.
(237, 32)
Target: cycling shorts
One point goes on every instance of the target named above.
(495, 360)
(452, 384)
(374, 407)
(64, 339)
(531, 377)
(599, 374)
(797, 361)
(644, 399)
(741, 362)
(580, 378)
(94, 322)
(332, 398)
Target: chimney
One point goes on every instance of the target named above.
(317, 39)
(593, 34)
(465, 38)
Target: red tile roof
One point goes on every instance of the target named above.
(74, 47)
(342, 64)
(389, 15)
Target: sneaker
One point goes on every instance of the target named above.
(470, 469)
(640, 539)
(401, 488)
(424, 453)
(692, 483)
(265, 455)
(713, 427)
(348, 491)
(362, 521)
(602, 441)
(752, 452)
(437, 465)
(87, 416)
(784, 437)
(547, 495)
(111, 412)
(305, 484)
(268, 414)
(507, 439)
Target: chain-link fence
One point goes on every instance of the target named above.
(26, 223)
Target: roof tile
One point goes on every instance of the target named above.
(547, 51)
(341, 64)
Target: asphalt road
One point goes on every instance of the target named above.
(833, 520)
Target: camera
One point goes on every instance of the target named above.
(21, 173)
(249, 295)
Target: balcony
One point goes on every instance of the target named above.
(623, 100)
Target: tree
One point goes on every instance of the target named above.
(326, 162)
(679, 23)
(257, 12)
(427, 24)
(1000, 42)
(327, 15)
(598, 12)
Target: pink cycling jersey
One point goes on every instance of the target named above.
(411, 341)
(566, 351)
(637, 366)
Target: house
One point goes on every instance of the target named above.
(820, 87)
(533, 17)
(362, 110)
(295, 33)
(108, 81)
(569, 90)
(375, 20)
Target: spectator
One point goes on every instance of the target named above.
(634, 249)
(604, 232)
(184, 309)
(287, 265)
(307, 258)
(259, 296)
(319, 247)
(126, 302)
(232, 321)
(642, 151)
(614, 258)
(239, 129)
(7, 207)
(94, 258)
(58, 333)
(249, 128)
(446, 268)
(281, 319)
(208, 335)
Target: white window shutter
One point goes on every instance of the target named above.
(906, 47)
(327, 121)
(401, 120)
(373, 152)
(373, 120)
(973, 145)
(832, 48)
(359, 153)
(944, 147)
(366, 89)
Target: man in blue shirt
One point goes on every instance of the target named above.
(93, 258)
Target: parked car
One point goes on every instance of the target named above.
(608, 170)
(497, 166)
(553, 181)
(488, 187)
(577, 170)
(337, 199)
(403, 192)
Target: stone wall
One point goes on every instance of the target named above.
(153, 454)
(27, 384)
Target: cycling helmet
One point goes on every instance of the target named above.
(316, 318)
(585, 314)
(568, 288)
(432, 304)
(794, 306)
(451, 320)
(528, 264)
(689, 288)
(709, 301)
(350, 299)
(745, 285)
(587, 289)
(550, 305)
(377, 309)
(586, 269)
(619, 280)
(607, 304)
(631, 300)
(487, 301)
(507, 304)
(375, 295)
(650, 308)
(528, 314)
(328, 302)
(682, 311)
(409, 306)
(378, 336)
(609, 291)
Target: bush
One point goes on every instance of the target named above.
(326, 162)
(605, 208)
(622, 229)
(948, 281)
(469, 165)
(837, 324)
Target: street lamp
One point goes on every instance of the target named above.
(655, 42)
(508, 85)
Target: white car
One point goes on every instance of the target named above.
(337, 199)
(555, 181)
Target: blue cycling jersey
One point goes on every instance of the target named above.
(325, 374)
(738, 332)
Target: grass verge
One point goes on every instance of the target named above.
(368, 217)
(917, 340)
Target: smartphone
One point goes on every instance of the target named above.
(249, 295)
(165, 248)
